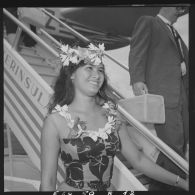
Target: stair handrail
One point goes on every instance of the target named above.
(180, 162)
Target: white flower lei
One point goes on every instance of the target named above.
(102, 132)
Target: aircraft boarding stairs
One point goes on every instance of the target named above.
(29, 75)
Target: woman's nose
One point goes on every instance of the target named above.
(95, 73)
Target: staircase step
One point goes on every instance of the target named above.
(27, 50)
(44, 70)
(42, 66)
(43, 52)
(49, 42)
(32, 55)
(22, 46)
(38, 60)
(34, 59)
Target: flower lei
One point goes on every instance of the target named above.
(79, 127)
(91, 54)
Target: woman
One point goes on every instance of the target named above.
(84, 128)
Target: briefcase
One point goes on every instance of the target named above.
(147, 108)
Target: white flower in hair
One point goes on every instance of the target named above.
(97, 61)
(83, 53)
(64, 48)
(92, 47)
(100, 47)
(64, 59)
(96, 53)
(68, 54)
(92, 54)
(74, 59)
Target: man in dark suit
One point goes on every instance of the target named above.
(158, 64)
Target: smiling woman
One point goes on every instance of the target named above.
(88, 79)
(71, 75)
(84, 128)
(80, 98)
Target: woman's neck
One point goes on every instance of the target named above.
(84, 104)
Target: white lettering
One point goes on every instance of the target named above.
(27, 82)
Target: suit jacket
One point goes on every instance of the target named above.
(154, 59)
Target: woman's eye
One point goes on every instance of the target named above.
(101, 70)
(89, 68)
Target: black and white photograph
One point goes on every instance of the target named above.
(96, 98)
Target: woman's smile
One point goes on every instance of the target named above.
(94, 82)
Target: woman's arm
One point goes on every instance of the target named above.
(49, 154)
(142, 163)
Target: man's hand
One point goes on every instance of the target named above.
(140, 88)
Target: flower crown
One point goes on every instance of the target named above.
(92, 54)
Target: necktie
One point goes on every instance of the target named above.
(179, 47)
(177, 40)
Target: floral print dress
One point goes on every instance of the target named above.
(88, 155)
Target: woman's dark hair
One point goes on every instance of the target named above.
(64, 89)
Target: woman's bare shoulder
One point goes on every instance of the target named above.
(53, 118)
(57, 123)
